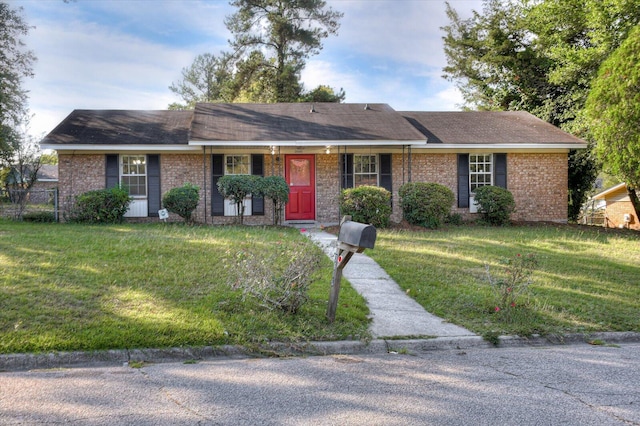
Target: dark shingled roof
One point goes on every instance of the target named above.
(487, 127)
(120, 127)
(296, 122)
(48, 172)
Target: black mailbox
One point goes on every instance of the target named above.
(357, 234)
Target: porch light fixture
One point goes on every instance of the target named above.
(273, 150)
(328, 149)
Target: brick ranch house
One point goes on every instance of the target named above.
(319, 149)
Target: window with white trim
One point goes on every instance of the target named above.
(237, 165)
(133, 174)
(480, 171)
(365, 170)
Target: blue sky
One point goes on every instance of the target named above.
(118, 54)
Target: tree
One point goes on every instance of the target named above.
(323, 93)
(612, 107)
(15, 64)
(205, 80)
(272, 39)
(539, 57)
(286, 32)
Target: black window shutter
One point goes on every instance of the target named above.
(500, 178)
(257, 203)
(463, 180)
(346, 171)
(112, 171)
(153, 185)
(385, 172)
(217, 171)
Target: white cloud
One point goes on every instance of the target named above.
(402, 30)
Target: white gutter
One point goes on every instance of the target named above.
(493, 147)
(118, 148)
(304, 143)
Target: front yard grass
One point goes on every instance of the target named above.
(588, 279)
(79, 287)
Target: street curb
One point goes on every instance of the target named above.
(124, 357)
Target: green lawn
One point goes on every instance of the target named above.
(77, 287)
(588, 279)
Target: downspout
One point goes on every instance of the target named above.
(403, 171)
(341, 173)
(204, 178)
(409, 165)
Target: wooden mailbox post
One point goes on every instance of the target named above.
(353, 238)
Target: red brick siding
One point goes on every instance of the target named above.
(538, 182)
(615, 215)
(78, 174)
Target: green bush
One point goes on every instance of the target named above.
(426, 204)
(237, 187)
(182, 201)
(367, 204)
(277, 189)
(495, 204)
(100, 206)
(41, 217)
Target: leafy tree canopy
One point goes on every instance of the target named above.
(613, 108)
(15, 64)
(539, 56)
(271, 41)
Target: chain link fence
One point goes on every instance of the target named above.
(37, 205)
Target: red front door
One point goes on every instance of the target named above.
(300, 173)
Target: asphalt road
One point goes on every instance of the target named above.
(572, 385)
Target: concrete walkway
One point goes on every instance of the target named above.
(394, 314)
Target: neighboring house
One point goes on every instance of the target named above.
(617, 206)
(46, 179)
(319, 149)
(46, 182)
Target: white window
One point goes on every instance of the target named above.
(480, 174)
(365, 170)
(480, 171)
(237, 165)
(133, 178)
(133, 175)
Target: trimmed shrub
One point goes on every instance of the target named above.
(495, 204)
(426, 204)
(182, 201)
(100, 206)
(277, 189)
(237, 187)
(367, 204)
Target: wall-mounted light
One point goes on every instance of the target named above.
(273, 150)
(328, 149)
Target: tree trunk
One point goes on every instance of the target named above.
(633, 196)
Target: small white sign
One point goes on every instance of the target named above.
(164, 214)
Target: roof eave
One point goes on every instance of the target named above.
(309, 143)
(509, 146)
(117, 148)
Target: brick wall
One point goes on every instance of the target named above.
(616, 209)
(327, 188)
(78, 174)
(538, 182)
